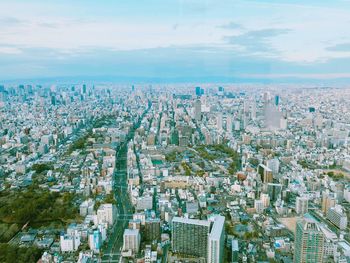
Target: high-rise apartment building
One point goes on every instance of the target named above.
(216, 240)
(190, 236)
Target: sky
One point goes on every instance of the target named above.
(182, 40)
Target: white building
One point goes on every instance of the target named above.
(106, 213)
(337, 216)
(259, 206)
(69, 243)
(216, 240)
(131, 240)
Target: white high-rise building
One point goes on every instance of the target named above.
(106, 213)
(216, 240)
(131, 240)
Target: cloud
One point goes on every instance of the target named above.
(344, 47)
(10, 21)
(9, 50)
(232, 25)
(256, 40)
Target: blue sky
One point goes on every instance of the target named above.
(182, 40)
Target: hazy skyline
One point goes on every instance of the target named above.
(182, 40)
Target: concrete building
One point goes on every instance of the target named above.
(69, 243)
(259, 206)
(216, 240)
(338, 217)
(301, 205)
(107, 213)
(131, 240)
(328, 200)
(190, 237)
(309, 241)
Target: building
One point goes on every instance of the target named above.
(265, 173)
(338, 217)
(95, 240)
(197, 110)
(234, 251)
(131, 240)
(216, 240)
(87, 207)
(190, 237)
(152, 229)
(69, 243)
(274, 191)
(328, 200)
(107, 213)
(265, 199)
(301, 205)
(309, 241)
(259, 206)
(274, 165)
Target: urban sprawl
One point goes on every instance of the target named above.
(174, 173)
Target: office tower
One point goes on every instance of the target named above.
(220, 91)
(198, 91)
(338, 217)
(131, 240)
(190, 236)
(309, 241)
(216, 240)
(84, 89)
(301, 205)
(277, 100)
(274, 191)
(265, 173)
(197, 110)
(53, 100)
(328, 201)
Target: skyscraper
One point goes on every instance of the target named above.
(309, 241)
(197, 110)
(198, 91)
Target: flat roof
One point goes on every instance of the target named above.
(191, 221)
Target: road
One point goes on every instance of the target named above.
(111, 251)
